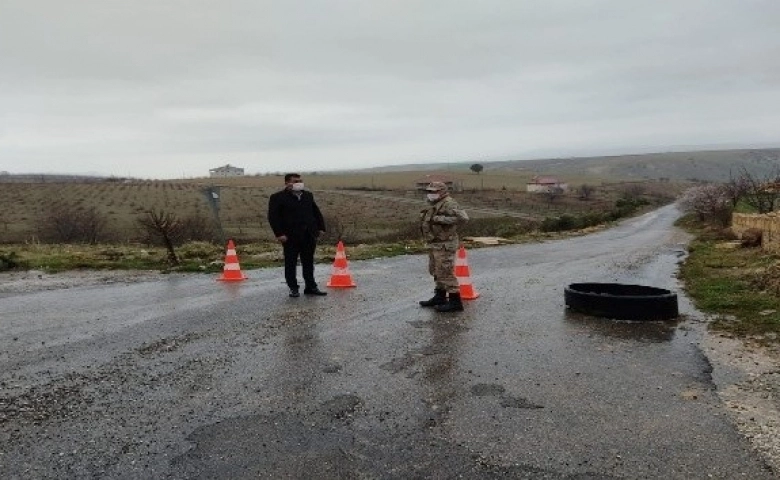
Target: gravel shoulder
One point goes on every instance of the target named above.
(748, 378)
(747, 374)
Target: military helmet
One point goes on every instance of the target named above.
(436, 187)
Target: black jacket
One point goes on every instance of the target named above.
(293, 217)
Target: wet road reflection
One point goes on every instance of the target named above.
(640, 331)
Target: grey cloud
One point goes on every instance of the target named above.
(335, 83)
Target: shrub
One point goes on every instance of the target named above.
(559, 224)
(70, 224)
(197, 228)
(728, 234)
(496, 227)
(751, 237)
(710, 203)
(9, 261)
(199, 250)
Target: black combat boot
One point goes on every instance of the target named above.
(439, 298)
(454, 304)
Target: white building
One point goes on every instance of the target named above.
(546, 184)
(226, 171)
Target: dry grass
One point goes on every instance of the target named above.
(352, 208)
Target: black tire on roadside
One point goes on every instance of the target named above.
(621, 301)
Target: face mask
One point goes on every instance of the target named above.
(297, 187)
(432, 197)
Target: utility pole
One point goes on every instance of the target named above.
(212, 197)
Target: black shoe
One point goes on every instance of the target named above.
(454, 304)
(439, 298)
(294, 293)
(314, 291)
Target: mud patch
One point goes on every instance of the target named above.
(398, 365)
(301, 339)
(429, 350)
(332, 368)
(340, 406)
(511, 401)
(286, 445)
(487, 390)
(293, 316)
(267, 446)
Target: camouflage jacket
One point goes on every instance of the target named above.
(439, 222)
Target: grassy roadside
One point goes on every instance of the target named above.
(739, 286)
(207, 257)
(194, 256)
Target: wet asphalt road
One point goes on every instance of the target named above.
(193, 378)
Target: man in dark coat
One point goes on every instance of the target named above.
(297, 222)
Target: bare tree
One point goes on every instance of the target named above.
(164, 226)
(632, 191)
(92, 225)
(59, 225)
(761, 193)
(736, 188)
(337, 229)
(553, 193)
(586, 191)
(196, 228)
(68, 224)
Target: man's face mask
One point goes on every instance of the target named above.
(432, 197)
(297, 187)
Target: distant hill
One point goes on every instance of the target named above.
(711, 165)
(51, 178)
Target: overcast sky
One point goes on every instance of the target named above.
(171, 88)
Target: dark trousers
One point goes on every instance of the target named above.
(304, 248)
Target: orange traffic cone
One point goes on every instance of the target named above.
(232, 271)
(340, 278)
(463, 275)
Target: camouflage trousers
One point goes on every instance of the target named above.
(441, 264)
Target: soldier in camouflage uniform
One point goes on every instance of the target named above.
(439, 225)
